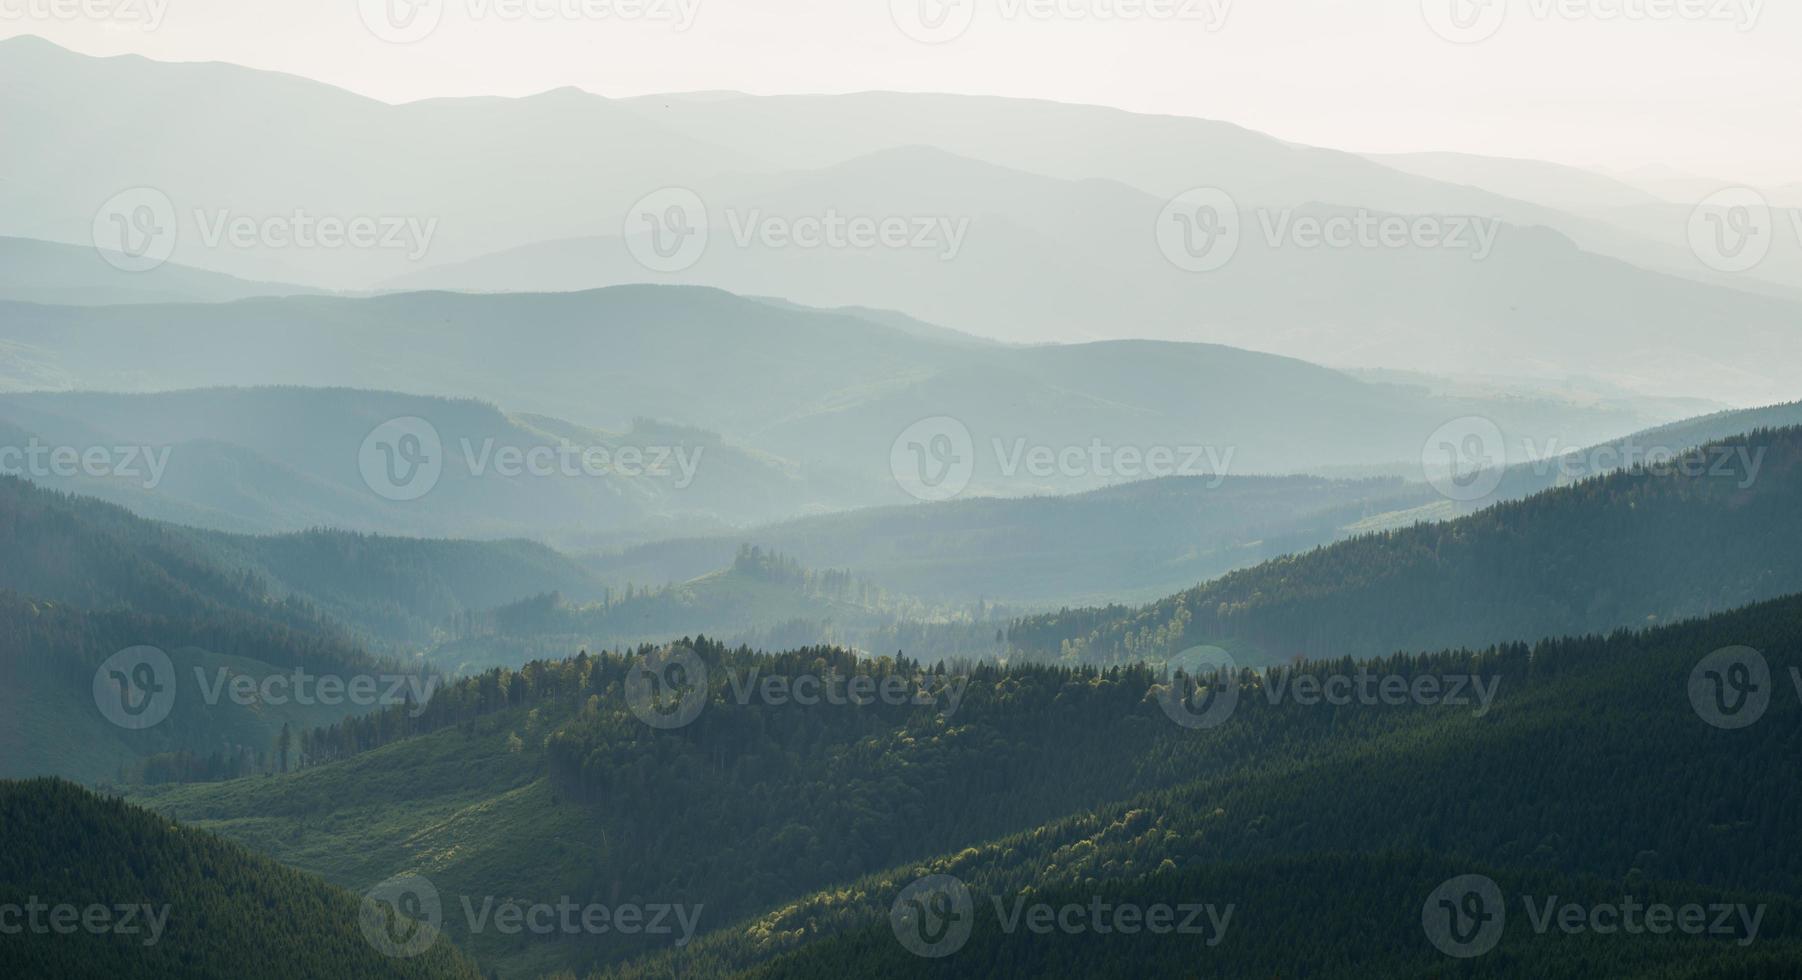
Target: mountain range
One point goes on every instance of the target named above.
(1056, 211)
(828, 394)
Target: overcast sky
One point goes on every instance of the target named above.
(1707, 86)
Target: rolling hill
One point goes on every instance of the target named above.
(830, 393)
(1031, 258)
(1061, 243)
(1620, 550)
(761, 598)
(86, 581)
(51, 272)
(1141, 539)
(522, 781)
(278, 146)
(198, 906)
(1592, 775)
(264, 460)
(1164, 156)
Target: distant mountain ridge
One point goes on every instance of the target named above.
(1034, 258)
(826, 392)
(263, 460)
(1615, 551)
(1060, 207)
(52, 272)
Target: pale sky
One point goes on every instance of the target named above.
(1603, 83)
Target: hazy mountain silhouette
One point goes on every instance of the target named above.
(828, 391)
(51, 272)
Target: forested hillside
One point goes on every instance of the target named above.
(1659, 444)
(389, 591)
(763, 598)
(1596, 771)
(1633, 548)
(234, 684)
(1339, 917)
(84, 581)
(199, 906)
(1030, 777)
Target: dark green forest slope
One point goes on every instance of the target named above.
(1585, 757)
(1598, 770)
(1709, 533)
(175, 902)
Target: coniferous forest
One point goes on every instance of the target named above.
(646, 489)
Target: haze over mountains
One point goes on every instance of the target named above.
(828, 394)
(806, 537)
(1059, 209)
